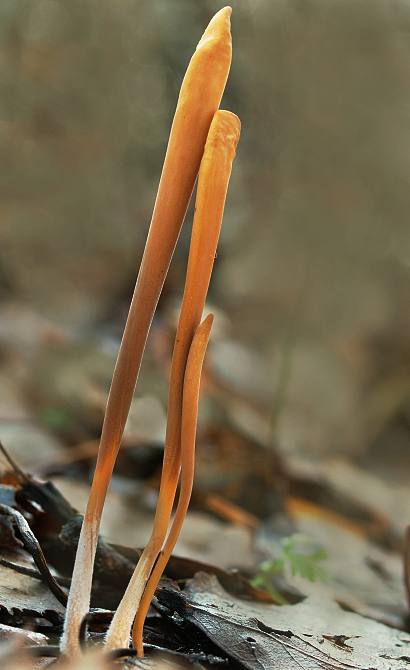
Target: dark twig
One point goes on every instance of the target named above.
(43, 651)
(22, 475)
(105, 617)
(52, 651)
(32, 546)
(31, 572)
(115, 654)
(96, 615)
(191, 657)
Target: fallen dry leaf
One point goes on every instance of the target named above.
(312, 635)
(25, 594)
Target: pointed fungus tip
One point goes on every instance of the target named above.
(222, 18)
(219, 27)
(225, 130)
(208, 321)
(223, 116)
(227, 11)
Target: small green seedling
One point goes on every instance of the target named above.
(299, 557)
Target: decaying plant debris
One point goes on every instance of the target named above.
(195, 618)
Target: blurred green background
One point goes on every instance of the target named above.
(312, 280)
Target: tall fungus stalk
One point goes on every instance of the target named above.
(196, 109)
(213, 183)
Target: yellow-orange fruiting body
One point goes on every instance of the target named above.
(200, 95)
(190, 402)
(213, 183)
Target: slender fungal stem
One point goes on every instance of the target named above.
(213, 183)
(199, 98)
(188, 435)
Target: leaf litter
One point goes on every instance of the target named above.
(315, 633)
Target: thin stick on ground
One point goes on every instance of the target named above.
(199, 98)
(213, 183)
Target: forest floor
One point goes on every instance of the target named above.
(286, 559)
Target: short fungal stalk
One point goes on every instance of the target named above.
(199, 98)
(213, 183)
